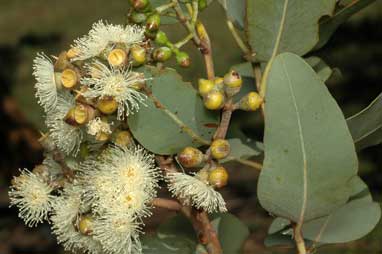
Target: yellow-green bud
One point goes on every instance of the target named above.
(162, 54)
(137, 17)
(218, 177)
(190, 157)
(214, 100)
(205, 86)
(107, 105)
(220, 149)
(139, 4)
(153, 22)
(233, 79)
(138, 54)
(183, 59)
(85, 225)
(202, 4)
(251, 102)
(123, 138)
(161, 38)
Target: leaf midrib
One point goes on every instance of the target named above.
(302, 144)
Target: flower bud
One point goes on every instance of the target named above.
(161, 38)
(233, 83)
(69, 78)
(85, 225)
(153, 22)
(202, 4)
(251, 102)
(137, 17)
(205, 86)
(219, 81)
(162, 54)
(190, 157)
(123, 138)
(138, 54)
(117, 57)
(183, 59)
(139, 4)
(214, 100)
(220, 149)
(218, 177)
(107, 105)
(102, 136)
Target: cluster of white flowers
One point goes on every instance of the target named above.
(99, 207)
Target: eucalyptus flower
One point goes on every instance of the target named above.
(32, 196)
(103, 37)
(117, 83)
(66, 137)
(195, 191)
(66, 213)
(97, 126)
(46, 88)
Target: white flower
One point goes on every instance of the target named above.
(97, 126)
(103, 37)
(46, 93)
(54, 169)
(118, 83)
(66, 137)
(32, 196)
(66, 212)
(196, 192)
(121, 180)
(118, 233)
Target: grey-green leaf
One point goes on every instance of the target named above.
(154, 126)
(167, 245)
(235, 10)
(330, 24)
(320, 67)
(366, 126)
(276, 26)
(309, 152)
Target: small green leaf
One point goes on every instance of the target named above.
(165, 128)
(231, 231)
(235, 10)
(309, 152)
(366, 126)
(276, 26)
(330, 24)
(167, 245)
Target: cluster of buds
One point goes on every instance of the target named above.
(141, 13)
(216, 92)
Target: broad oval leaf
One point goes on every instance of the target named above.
(241, 151)
(330, 24)
(309, 153)
(161, 129)
(276, 26)
(366, 126)
(235, 10)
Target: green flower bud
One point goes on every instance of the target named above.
(233, 79)
(162, 54)
(183, 59)
(161, 38)
(139, 4)
(153, 22)
(214, 100)
(85, 225)
(138, 54)
(137, 17)
(202, 4)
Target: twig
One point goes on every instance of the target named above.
(238, 39)
(221, 132)
(252, 164)
(168, 204)
(300, 243)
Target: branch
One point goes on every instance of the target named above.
(300, 243)
(168, 204)
(221, 132)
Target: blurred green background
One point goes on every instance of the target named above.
(31, 26)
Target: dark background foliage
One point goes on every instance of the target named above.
(28, 27)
